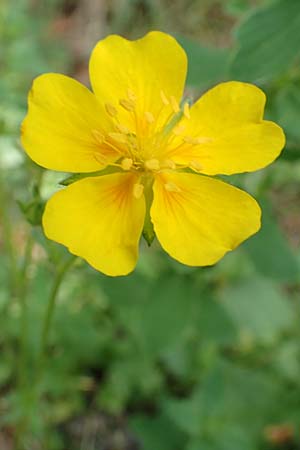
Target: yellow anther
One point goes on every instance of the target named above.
(149, 117)
(186, 111)
(127, 104)
(131, 95)
(126, 163)
(174, 104)
(204, 140)
(169, 164)
(178, 130)
(164, 98)
(191, 140)
(195, 165)
(196, 140)
(122, 128)
(172, 187)
(118, 137)
(100, 138)
(152, 164)
(111, 110)
(138, 190)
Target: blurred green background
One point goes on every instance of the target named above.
(170, 357)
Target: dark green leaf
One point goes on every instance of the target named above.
(268, 42)
(270, 252)
(206, 65)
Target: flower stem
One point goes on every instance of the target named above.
(22, 294)
(61, 272)
(7, 232)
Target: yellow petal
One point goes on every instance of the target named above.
(228, 123)
(137, 73)
(99, 219)
(63, 126)
(202, 219)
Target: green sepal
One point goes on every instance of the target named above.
(80, 176)
(148, 230)
(34, 209)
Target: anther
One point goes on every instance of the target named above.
(118, 137)
(122, 128)
(111, 110)
(127, 104)
(152, 164)
(169, 164)
(164, 98)
(138, 190)
(195, 165)
(172, 187)
(174, 104)
(196, 140)
(178, 130)
(100, 138)
(131, 95)
(149, 117)
(126, 163)
(186, 111)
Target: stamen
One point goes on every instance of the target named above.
(118, 137)
(126, 163)
(138, 190)
(172, 187)
(204, 140)
(100, 138)
(169, 164)
(174, 104)
(195, 165)
(111, 110)
(164, 98)
(152, 164)
(196, 140)
(131, 95)
(122, 128)
(127, 104)
(101, 159)
(178, 130)
(186, 111)
(149, 117)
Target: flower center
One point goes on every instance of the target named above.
(144, 145)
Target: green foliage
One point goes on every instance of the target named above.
(207, 65)
(268, 42)
(170, 357)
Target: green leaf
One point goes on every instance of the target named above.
(288, 110)
(33, 211)
(268, 42)
(229, 401)
(270, 252)
(207, 65)
(157, 433)
(259, 309)
(215, 325)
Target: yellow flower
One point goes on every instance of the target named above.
(156, 151)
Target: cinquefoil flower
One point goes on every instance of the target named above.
(158, 154)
